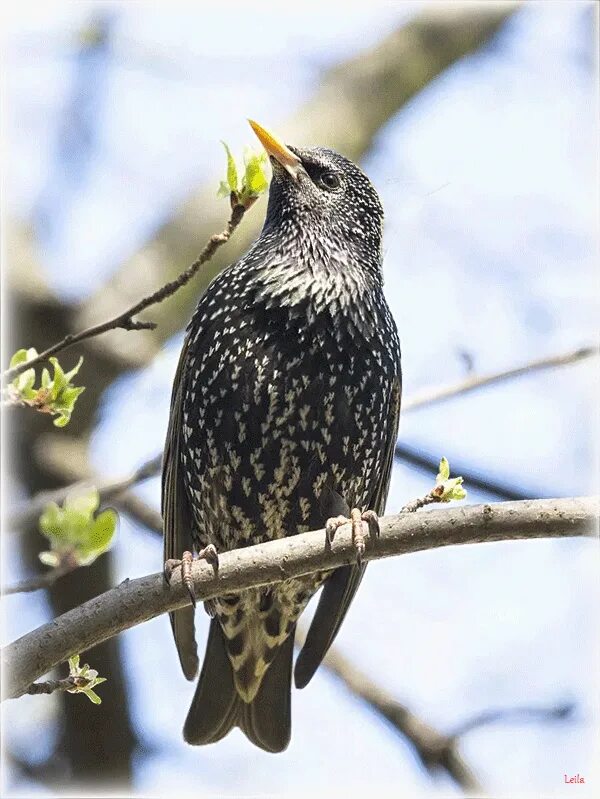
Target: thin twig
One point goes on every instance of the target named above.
(430, 396)
(428, 499)
(513, 715)
(139, 600)
(50, 686)
(125, 320)
(39, 581)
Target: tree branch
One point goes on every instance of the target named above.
(435, 750)
(44, 580)
(50, 686)
(28, 512)
(512, 715)
(430, 396)
(125, 320)
(473, 479)
(136, 601)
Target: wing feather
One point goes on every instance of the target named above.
(340, 588)
(178, 520)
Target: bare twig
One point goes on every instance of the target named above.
(439, 393)
(129, 503)
(125, 320)
(430, 498)
(513, 715)
(50, 686)
(136, 601)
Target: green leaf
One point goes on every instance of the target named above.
(59, 381)
(70, 375)
(84, 502)
(92, 696)
(444, 472)
(224, 190)
(100, 535)
(22, 356)
(75, 530)
(56, 395)
(51, 521)
(73, 665)
(232, 175)
(255, 180)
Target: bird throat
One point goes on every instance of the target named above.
(317, 282)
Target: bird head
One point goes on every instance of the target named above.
(319, 192)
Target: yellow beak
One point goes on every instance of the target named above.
(277, 149)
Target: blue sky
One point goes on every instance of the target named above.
(488, 179)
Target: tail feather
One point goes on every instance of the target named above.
(217, 707)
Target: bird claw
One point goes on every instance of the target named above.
(357, 519)
(332, 525)
(209, 554)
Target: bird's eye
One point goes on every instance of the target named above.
(330, 181)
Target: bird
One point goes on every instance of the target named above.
(284, 417)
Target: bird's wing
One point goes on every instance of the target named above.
(339, 589)
(178, 520)
(382, 486)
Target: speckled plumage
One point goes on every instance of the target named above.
(285, 413)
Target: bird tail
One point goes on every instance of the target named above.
(217, 707)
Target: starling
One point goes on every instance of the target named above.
(284, 417)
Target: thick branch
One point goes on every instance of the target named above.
(136, 601)
(126, 320)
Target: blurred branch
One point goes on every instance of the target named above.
(125, 320)
(136, 601)
(129, 503)
(513, 715)
(44, 580)
(435, 750)
(430, 396)
(475, 480)
(29, 511)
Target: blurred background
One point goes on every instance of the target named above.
(477, 124)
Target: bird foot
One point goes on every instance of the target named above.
(209, 554)
(357, 519)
